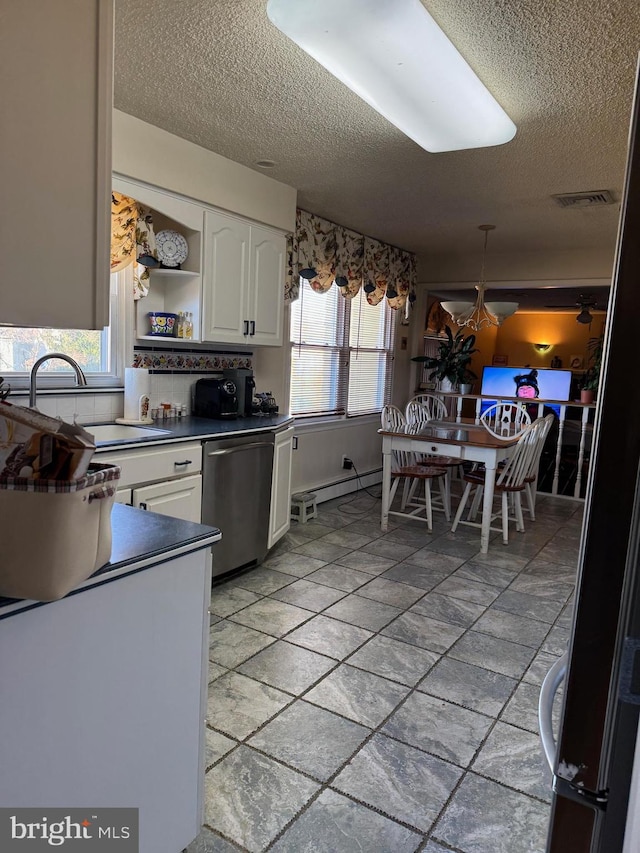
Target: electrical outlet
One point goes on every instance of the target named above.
(347, 463)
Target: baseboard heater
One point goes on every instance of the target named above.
(345, 486)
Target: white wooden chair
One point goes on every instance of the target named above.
(510, 480)
(419, 412)
(505, 420)
(430, 408)
(532, 477)
(406, 466)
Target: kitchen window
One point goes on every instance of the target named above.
(341, 354)
(98, 352)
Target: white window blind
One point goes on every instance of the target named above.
(341, 356)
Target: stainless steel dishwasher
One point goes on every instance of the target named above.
(236, 497)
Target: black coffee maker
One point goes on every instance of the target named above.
(215, 398)
(242, 378)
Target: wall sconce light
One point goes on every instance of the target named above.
(542, 348)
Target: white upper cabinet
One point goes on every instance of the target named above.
(226, 279)
(266, 286)
(56, 67)
(243, 282)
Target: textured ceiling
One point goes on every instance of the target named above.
(217, 73)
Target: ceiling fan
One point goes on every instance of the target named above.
(585, 304)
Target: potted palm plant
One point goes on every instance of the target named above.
(451, 366)
(591, 378)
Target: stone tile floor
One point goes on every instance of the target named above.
(378, 692)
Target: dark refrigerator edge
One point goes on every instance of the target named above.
(597, 729)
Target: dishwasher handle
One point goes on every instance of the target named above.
(250, 446)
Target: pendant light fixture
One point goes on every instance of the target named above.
(481, 314)
(393, 55)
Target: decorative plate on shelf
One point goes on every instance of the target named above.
(172, 248)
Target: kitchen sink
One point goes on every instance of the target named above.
(106, 433)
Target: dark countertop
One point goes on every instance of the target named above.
(141, 540)
(182, 429)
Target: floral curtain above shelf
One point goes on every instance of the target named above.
(132, 241)
(325, 254)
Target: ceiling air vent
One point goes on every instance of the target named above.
(593, 198)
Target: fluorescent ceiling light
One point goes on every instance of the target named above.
(395, 57)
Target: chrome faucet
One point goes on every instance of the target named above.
(81, 379)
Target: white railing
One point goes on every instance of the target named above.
(568, 429)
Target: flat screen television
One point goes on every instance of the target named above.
(530, 383)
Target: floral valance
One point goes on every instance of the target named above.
(327, 254)
(132, 240)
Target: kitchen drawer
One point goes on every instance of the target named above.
(156, 463)
(441, 449)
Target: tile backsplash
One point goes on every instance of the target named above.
(173, 372)
(169, 358)
(88, 406)
(105, 406)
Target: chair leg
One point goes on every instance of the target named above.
(394, 489)
(461, 506)
(505, 518)
(475, 504)
(518, 512)
(531, 501)
(412, 489)
(405, 493)
(446, 497)
(427, 502)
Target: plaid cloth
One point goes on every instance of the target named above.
(97, 475)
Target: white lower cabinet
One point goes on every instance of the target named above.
(163, 478)
(167, 479)
(180, 498)
(280, 514)
(123, 667)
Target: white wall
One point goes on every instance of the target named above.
(530, 267)
(147, 153)
(150, 154)
(318, 460)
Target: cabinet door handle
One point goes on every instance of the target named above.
(186, 462)
(246, 327)
(253, 327)
(142, 505)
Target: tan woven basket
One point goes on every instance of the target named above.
(54, 533)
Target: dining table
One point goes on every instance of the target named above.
(462, 439)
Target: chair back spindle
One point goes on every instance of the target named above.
(426, 407)
(505, 420)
